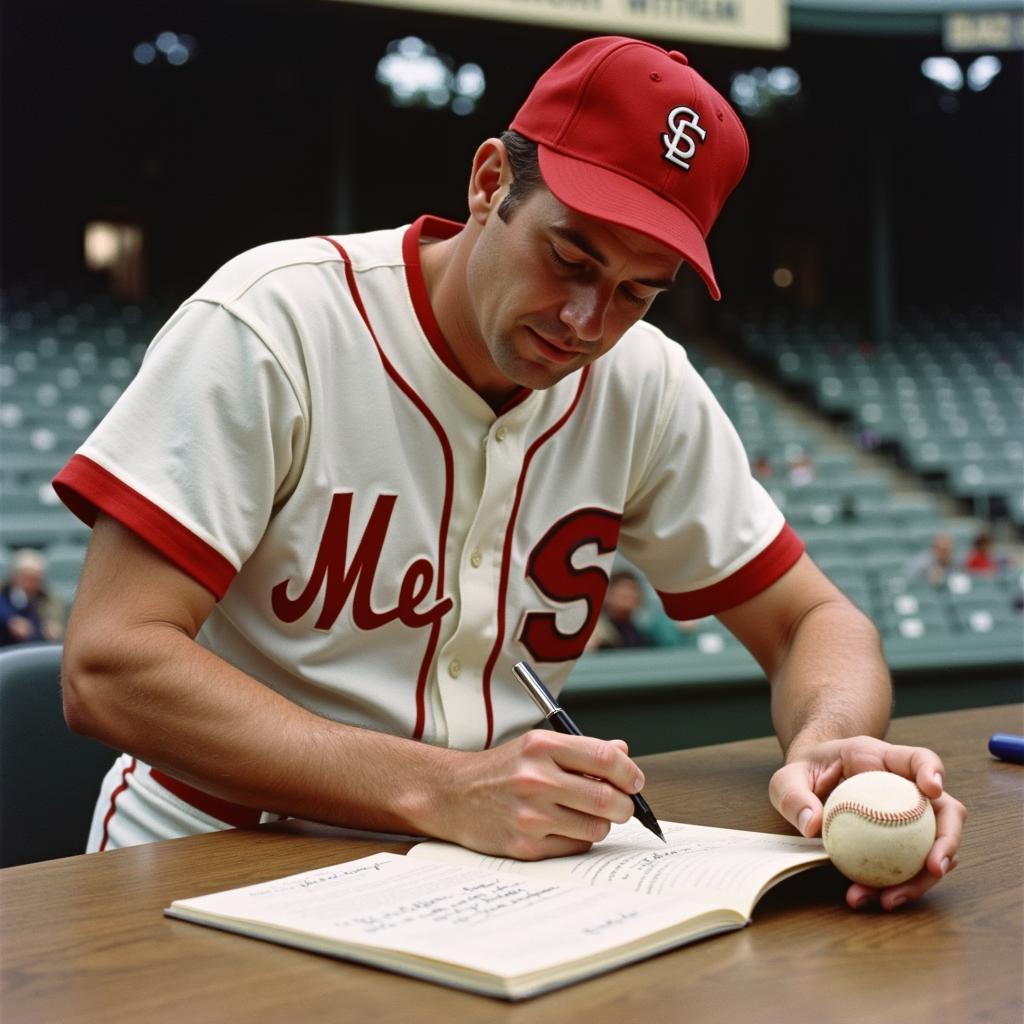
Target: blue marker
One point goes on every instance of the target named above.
(1007, 747)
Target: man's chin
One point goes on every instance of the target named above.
(529, 363)
(539, 377)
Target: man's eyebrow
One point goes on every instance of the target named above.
(581, 242)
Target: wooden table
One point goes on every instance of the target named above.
(83, 939)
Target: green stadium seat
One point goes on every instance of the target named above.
(915, 628)
(1003, 625)
(41, 528)
(840, 562)
(46, 813)
(851, 580)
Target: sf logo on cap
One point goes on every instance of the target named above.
(680, 147)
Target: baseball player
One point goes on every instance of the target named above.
(357, 478)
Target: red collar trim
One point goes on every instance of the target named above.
(437, 227)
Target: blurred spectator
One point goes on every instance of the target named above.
(26, 614)
(933, 565)
(982, 559)
(618, 626)
(801, 470)
(762, 467)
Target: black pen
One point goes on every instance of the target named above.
(563, 723)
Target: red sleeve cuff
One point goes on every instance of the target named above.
(777, 559)
(87, 488)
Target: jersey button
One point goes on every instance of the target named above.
(500, 434)
(454, 668)
(476, 558)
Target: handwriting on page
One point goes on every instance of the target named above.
(476, 918)
(709, 864)
(468, 905)
(471, 905)
(381, 895)
(314, 881)
(698, 861)
(611, 923)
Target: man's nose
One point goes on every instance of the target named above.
(584, 312)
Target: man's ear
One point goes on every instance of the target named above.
(489, 179)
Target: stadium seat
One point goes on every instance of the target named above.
(41, 528)
(49, 776)
(945, 390)
(915, 629)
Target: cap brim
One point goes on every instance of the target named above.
(598, 192)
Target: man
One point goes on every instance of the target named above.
(25, 615)
(934, 565)
(618, 626)
(358, 478)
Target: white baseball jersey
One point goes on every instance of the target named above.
(383, 545)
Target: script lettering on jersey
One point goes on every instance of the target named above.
(339, 579)
(552, 571)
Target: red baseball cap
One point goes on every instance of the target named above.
(629, 133)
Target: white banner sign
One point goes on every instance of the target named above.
(762, 23)
(998, 30)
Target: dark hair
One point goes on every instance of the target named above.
(525, 167)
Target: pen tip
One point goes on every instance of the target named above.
(656, 829)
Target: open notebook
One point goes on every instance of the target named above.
(511, 928)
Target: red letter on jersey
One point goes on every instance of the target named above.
(341, 578)
(551, 569)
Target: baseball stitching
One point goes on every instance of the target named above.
(877, 817)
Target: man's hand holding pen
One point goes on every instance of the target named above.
(543, 794)
(540, 795)
(560, 721)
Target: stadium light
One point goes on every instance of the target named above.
(761, 91)
(982, 70)
(415, 74)
(173, 47)
(949, 75)
(144, 53)
(943, 71)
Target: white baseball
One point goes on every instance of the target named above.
(878, 828)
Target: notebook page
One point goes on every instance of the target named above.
(723, 867)
(504, 925)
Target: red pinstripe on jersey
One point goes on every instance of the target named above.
(506, 554)
(437, 227)
(237, 815)
(87, 488)
(449, 469)
(779, 557)
(113, 803)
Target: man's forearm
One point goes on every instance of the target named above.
(157, 694)
(833, 681)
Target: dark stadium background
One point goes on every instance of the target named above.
(894, 362)
(895, 359)
(277, 129)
